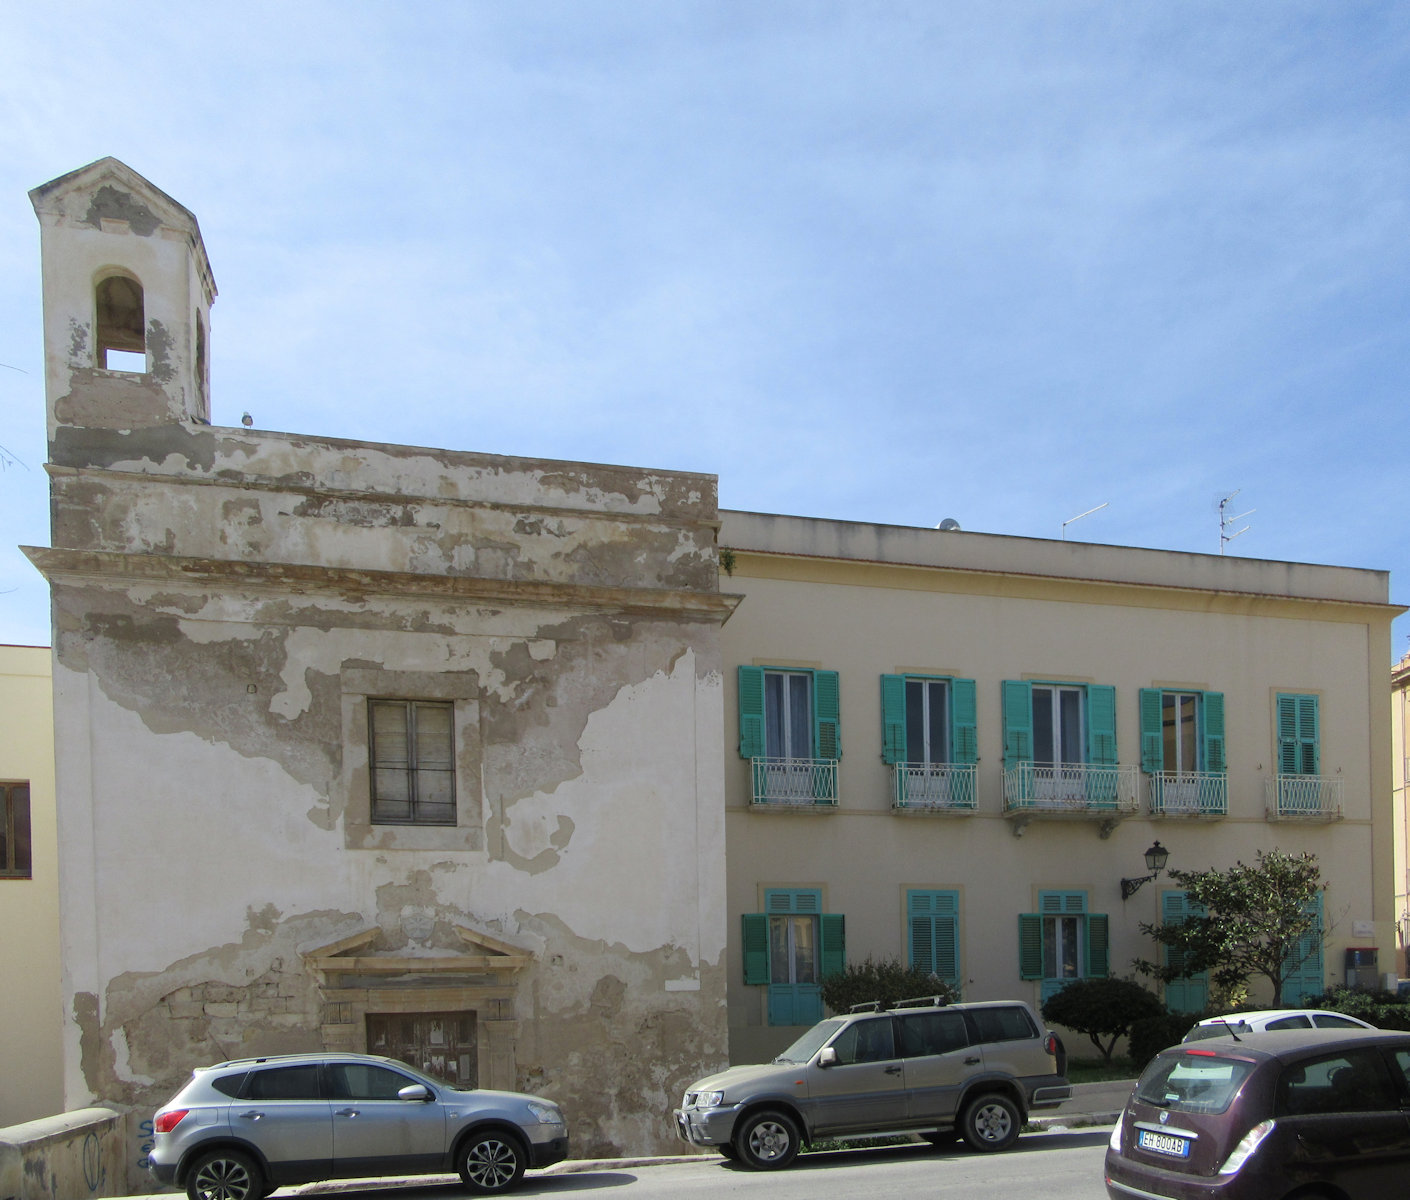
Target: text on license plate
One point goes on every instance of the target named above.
(1163, 1143)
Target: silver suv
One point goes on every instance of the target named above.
(971, 1070)
(240, 1129)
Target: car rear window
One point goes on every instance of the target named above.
(284, 1083)
(1192, 1082)
(1008, 1023)
(229, 1085)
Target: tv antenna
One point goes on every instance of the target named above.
(1225, 520)
(1079, 516)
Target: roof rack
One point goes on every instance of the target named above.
(911, 1002)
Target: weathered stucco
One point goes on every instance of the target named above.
(226, 602)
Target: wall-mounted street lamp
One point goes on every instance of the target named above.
(1155, 860)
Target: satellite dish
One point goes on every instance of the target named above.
(948, 524)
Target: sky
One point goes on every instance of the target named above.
(884, 262)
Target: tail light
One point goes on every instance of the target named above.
(169, 1120)
(1050, 1044)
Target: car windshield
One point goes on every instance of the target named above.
(811, 1042)
(1197, 1081)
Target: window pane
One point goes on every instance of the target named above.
(938, 724)
(780, 962)
(285, 1083)
(1043, 725)
(915, 721)
(774, 713)
(800, 716)
(805, 950)
(433, 735)
(1070, 702)
(19, 801)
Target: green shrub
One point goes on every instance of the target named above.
(1385, 1010)
(1102, 1009)
(1151, 1035)
(885, 981)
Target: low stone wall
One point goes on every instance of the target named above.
(70, 1156)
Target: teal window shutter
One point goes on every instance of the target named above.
(1298, 750)
(1213, 705)
(1101, 725)
(833, 938)
(1018, 722)
(1189, 993)
(1030, 946)
(751, 712)
(964, 722)
(827, 727)
(1098, 946)
(893, 718)
(1152, 731)
(934, 932)
(756, 948)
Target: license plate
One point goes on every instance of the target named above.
(1163, 1143)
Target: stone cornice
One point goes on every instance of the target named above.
(110, 567)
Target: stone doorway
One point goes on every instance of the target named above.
(443, 1045)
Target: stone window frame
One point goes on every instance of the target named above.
(358, 685)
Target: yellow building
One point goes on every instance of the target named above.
(1400, 767)
(31, 1061)
(953, 748)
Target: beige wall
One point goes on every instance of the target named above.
(1400, 824)
(31, 1061)
(1018, 609)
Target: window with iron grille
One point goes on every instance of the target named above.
(15, 854)
(412, 750)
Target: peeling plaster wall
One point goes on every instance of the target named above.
(215, 798)
(227, 601)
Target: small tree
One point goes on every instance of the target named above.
(882, 980)
(1102, 1008)
(1257, 920)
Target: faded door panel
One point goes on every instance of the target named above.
(938, 1061)
(443, 1045)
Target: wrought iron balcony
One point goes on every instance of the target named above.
(934, 787)
(1069, 790)
(1189, 794)
(793, 783)
(1303, 798)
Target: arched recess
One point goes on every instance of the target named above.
(119, 307)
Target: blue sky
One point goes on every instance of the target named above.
(881, 262)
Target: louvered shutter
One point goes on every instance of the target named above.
(756, 948)
(833, 933)
(1152, 731)
(893, 718)
(1214, 760)
(1018, 721)
(1098, 946)
(1101, 725)
(751, 712)
(827, 729)
(1030, 946)
(964, 722)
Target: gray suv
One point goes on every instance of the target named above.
(970, 1070)
(240, 1129)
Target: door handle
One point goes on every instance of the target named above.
(252, 1115)
(972, 1062)
(893, 1070)
(346, 1112)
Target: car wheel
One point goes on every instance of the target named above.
(491, 1162)
(224, 1175)
(767, 1141)
(991, 1122)
(729, 1151)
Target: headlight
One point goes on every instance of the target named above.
(547, 1114)
(710, 1099)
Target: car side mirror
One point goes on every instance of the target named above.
(827, 1057)
(414, 1091)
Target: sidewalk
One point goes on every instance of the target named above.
(1091, 1104)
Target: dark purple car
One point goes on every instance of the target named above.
(1311, 1115)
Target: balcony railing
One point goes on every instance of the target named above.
(934, 787)
(1189, 794)
(798, 783)
(1070, 789)
(1303, 798)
